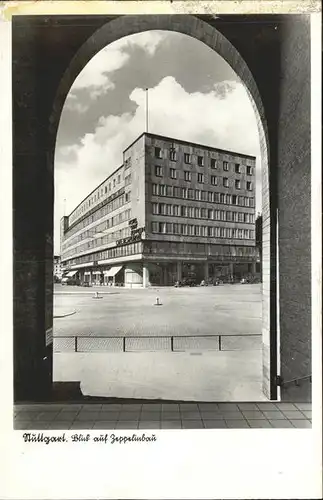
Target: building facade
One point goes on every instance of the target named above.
(172, 210)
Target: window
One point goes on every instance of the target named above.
(235, 216)
(210, 196)
(204, 195)
(187, 176)
(187, 158)
(190, 212)
(154, 227)
(229, 232)
(190, 194)
(114, 183)
(172, 173)
(213, 163)
(169, 228)
(214, 180)
(200, 178)
(203, 231)
(197, 213)
(237, 184)
(162, 208)
(249, 170)
(190, 230)
(119, 179)
(249, 186)
(183, 211)
(222, 198)
(210, 214)
(237, 168)
(162, 190)
(158, 153)
(169, 209)
(234, 199)
(200, 161)
(176, 210)
(196, 230)
(225, 166)
(169, 190)
(225, 182)
(162, 227)
(183, 229)
(184, 192)
(177, 192)
(158, 171)
(241, 217)
(197, 194)
(155, 189)
(210, 231)
(127, 196)
(176, 228)
(109, 186)
(204, 213)
(105, 189)
(172, 154)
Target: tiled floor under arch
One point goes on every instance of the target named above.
(162, 416)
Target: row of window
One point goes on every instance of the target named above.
(111, 253)
(204, 231)
(199, 195)
(198, 248)
(101, 212)
(201, 213)
(107, 224)
(95, 197)
(104, 240)
(200, 161)
(200, 178)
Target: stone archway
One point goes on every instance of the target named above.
(213, 38)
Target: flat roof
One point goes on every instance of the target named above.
(188, 143)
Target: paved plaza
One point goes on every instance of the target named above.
(198, 311)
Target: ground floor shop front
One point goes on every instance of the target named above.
(144, 273)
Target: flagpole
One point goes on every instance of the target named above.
(147, 110)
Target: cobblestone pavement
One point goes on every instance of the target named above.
(147, 416)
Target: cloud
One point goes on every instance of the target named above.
(94, 78)
(147, 40)
(223, 118)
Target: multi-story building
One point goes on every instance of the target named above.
(173, 209)
(57, 268)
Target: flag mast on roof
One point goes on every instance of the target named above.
(147, 110)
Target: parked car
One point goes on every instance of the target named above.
(185, 282)
(70, 281)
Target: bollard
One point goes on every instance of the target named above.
(158, 303)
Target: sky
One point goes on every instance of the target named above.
(194, 95)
